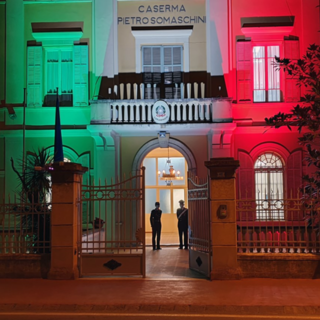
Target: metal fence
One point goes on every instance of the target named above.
(112, 240)
(291, 228)
(24, 227)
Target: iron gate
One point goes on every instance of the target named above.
(112, 240)
(199, 222)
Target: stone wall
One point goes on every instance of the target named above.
(24, 266)
(299, 266)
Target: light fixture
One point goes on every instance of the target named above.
(172, 175)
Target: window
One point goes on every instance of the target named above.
(59, 76)
(268, 170)
(257, 78)
(62, 68)
(266, 78)
(162, 71)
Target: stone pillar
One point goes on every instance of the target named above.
(223, 218)
(65, 220)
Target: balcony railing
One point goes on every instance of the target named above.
(181, 110)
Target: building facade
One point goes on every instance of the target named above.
(140, 82)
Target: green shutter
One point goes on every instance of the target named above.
(34, 77)
(80, 85)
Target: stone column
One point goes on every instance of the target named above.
(65, 220)
(223, 218)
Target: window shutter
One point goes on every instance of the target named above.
(146, 56)
(244, 74)
(80, 86)
(246, 185)
(292, 91)
(177, 56)
(294, 181)
(34, 77)
(156, 57)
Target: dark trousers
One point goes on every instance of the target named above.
(156, 231)
(184, 231)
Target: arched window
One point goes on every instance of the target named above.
(269, 187)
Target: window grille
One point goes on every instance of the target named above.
(269, 187)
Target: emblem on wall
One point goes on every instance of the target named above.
(161, 112)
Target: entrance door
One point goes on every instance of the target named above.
(199, 224)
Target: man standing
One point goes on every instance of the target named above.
(155, 220)
(182, 215)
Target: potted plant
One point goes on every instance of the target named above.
(98, 223)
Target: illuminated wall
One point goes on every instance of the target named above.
(161, 14)
(107, 28)
(2, 49)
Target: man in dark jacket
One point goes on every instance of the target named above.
(182, 216)
(155, 220)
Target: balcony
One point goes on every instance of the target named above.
(139, 111)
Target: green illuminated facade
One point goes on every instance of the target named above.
(48, 46)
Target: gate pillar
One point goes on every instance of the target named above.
(65, 220)
(223, 218)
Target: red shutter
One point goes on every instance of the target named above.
(245, 189)
(292, 52)
(294, 181)
(244, 65)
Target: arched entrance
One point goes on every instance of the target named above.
(169, 262)
(168, 193)
(172, 143)
(153, 156)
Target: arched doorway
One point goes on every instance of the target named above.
(169, 262)
(167, 192)
(172, 143)
(177, 192)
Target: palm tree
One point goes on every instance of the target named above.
(34, 210)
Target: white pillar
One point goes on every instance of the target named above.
(190, 112)
(173, 106)
(131, 113)
(137, 113)
(126, 113)
(149, 112)
(128, 91)
(184, 112)
(143, 113)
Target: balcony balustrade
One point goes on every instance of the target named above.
(181, 111)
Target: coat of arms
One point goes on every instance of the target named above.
(161, 112)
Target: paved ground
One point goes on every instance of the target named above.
(250, 296)
(169, 263)
(170, 290)
(140, 316)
